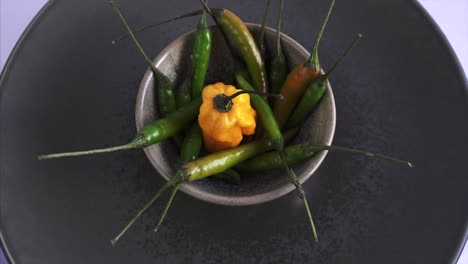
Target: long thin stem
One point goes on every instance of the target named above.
(86, 152)
(313, 59)
(318, 147)
(278, 28)
(261, 40)
(175, 180)
(189, 14)
(277, 96)
(206, 7)
(356, 40)
(130, 32)
(295, 181)
(168, 205)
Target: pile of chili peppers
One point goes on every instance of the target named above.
(294, 96)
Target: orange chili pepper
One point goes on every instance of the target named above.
(298, 80)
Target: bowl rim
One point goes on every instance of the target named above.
(222, 199)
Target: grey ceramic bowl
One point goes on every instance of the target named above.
(254, 188)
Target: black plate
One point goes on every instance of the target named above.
(401, 92)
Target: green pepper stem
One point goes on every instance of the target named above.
(313, 61)
(356, 40)
(138, 142)
(174, 181)
(223, 103)
(130, 32)
(294, 180)
(168, 205)
(277, 96)
(318, 147)
(278, 29)
(261, 39)
(206, 7)
(189, 14)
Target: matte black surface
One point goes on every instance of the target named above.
(401, 93)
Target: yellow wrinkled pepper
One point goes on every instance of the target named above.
(222, 123)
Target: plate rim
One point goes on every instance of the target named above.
(463, 240)
(6, 68)
(416, 5)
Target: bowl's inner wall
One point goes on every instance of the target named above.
(174, 61)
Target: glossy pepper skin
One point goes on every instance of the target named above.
(315, 91)
(236, 31)
(204, 167)
(191, 146)
(292, 90)
(301, 152)
(200, 56)
(222, 130)
(220, 161)
(265, 115)
(299, 78)
(166, 127)
(272, 160)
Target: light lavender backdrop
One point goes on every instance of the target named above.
(450, 15)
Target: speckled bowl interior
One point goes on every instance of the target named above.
(255, 188)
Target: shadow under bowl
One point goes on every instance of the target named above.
(255, 188)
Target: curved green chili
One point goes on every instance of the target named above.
(314, 92)
(204, 167)
(298, 153)
(238, 34)
(152, 133)
(272, 160)
(191, 146)
(200, 56)
(265, 115)
(278, 68)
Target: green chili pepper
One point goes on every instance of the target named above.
(265, 115)
(272, 160)
(182, 94)
(166, 98)
(261, 36)
(200, 56)
(273, 131)
(238, 34)
(204, 167)
(191, 145)
(298, 153)
(152, 133)
(314, 92)
(189, 14)
(298, 79)
(230, 176)
(278, 68)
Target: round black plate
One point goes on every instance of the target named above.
(401, 92)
